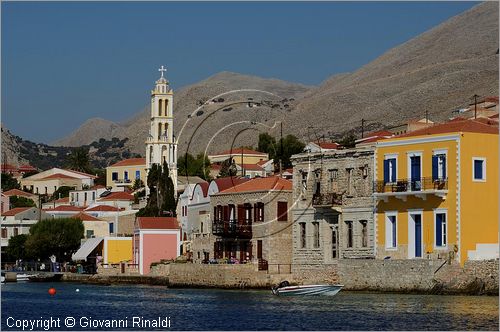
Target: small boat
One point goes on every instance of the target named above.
(284, 289)
(22, 277)
(45, 277)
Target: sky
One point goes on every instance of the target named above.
(65, 62)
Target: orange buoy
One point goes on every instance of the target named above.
(52, 291)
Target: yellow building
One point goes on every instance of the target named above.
(117, 249)
(437, 192)
(125, 172)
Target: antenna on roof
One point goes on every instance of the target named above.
(362, 128)
(475, 105)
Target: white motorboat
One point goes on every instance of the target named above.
(22, 277)
(284, 289)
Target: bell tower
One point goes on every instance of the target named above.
(160, 144)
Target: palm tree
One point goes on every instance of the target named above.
(79, 160)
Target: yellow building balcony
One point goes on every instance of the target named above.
(403, 188)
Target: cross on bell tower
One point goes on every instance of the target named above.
(162, 70)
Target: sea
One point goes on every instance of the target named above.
(29, 306)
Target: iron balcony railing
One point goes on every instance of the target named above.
(410, 185)
(327, 199)
(231, 228)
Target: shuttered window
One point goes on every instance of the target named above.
(479, 169)
(390, 170)
(440, 229)
(439, 167)
(282, 211)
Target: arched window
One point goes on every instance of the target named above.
(159, 130)
(160, 105)
(166, 108)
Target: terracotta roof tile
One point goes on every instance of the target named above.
(261, 184)
(59, 176)
(229, 181)
(103, 208)
(118, 196)
(157, 223)
(81, 173)
(473, 126)
(252, 167)
(204, 188)
(85, 217)
(131, 162)
(17, 192)
(14, 211)
(63, 208)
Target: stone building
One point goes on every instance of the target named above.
(333, 206)
(252, 223)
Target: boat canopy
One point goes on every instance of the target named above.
(86, 248)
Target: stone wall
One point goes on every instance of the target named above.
(419, 276)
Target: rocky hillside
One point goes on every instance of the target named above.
(436, 72)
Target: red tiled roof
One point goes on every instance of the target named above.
(81, 173)
(98, 186)
(328, 145)
(8, 167)
(472, 126)
(85, 217)
(494, 116)
(118, 196)
(157, 223)
(251, 167)
(62, 208)
(204, 188)
(262, 162)
(131, 162)
(239, 151)
(379, 133)
(229, 181)
(261, 184)
(104, 208)
(17, 192)
(62, 200)
(59, 176)
(15, 211)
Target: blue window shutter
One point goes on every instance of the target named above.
(393, 220)
(393, 175)
(444, 166)
(434, 167)
(386, 171)
(478, 169)
(439, 230)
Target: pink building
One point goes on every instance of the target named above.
(155, 238)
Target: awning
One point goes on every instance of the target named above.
(86, 248)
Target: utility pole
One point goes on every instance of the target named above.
(281, 149)
(362, 128)
(475, 105)
(426, 116)
(242, 168)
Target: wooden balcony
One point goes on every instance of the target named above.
(232, 229)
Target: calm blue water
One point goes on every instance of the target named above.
(208, 309)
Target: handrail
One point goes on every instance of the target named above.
(410, 185)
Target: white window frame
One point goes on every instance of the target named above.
(388, 230)
(445, 152)
(408, 162)
(391, 156)
(483, 159)
(411, 231)
(445, 212)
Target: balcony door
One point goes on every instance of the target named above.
(416, 172)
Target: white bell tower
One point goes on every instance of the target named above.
(160, 144)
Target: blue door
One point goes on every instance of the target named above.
(415, 175)
(418, 235)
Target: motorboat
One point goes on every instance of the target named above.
(22, 277)
(285, 289)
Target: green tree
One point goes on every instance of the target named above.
(20, 201)
(79, 160)
(62, 191)
(138, 184)
(228, 168)
(162, 197)
(60, 237)
(348, 141)
(281, 150)
(17, 247)
(191, 166)
(9, 182)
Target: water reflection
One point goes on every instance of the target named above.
(198, 309)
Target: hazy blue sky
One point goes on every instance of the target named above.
(63, 63)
